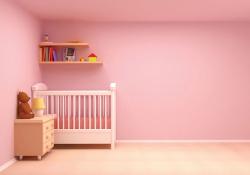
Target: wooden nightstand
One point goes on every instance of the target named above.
(33, 137)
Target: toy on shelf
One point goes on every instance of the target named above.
(69, 54)
(81, 59)
(92, 57)
(46, 37)
(24, 109)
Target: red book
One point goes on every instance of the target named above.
(51, 53)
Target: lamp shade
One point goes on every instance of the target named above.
(38, 103)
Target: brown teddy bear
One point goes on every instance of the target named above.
(24, 108)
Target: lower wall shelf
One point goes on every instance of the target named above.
(69, 62)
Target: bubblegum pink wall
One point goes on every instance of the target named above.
(20, 33)
(174, 80)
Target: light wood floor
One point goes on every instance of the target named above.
(139, 158)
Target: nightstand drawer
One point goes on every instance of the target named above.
(52, 143)
(52, 133)
(46, 146)
(47, 136)
(52, 124)
(48, 126)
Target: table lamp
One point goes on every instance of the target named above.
(38, 106)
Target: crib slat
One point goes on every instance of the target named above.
(89, 112)
(107, 105)
(100, 111)
(63, 112)
(84, 111)
(74, 110)
(68, 111)
(95, 109)
(52, 104)
(47, 104)
(79, 111)
(58, 97)
(44, 103)
(105, 111)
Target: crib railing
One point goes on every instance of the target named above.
(94, 106)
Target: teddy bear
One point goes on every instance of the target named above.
(24, 107)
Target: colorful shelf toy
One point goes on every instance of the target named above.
(92, 57)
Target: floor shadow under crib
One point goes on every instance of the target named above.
(82, 146)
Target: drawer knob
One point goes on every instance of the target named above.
(47, 137)
(52, 134)
(47, 127)
(52, 143)
(47, 146)
(52, 125)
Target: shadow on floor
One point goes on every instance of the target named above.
(69, 146)
(82, 146)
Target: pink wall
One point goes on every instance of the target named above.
(20, 33)
(174, 80)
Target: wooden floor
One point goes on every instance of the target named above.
(139, 158)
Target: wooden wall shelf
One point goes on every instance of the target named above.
(63, 44)
(69, 62)
(44, 44)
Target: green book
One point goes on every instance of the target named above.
(47, 56)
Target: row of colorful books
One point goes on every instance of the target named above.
(49, 54)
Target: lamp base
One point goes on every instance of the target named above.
(38, 112)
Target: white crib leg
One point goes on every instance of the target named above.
(112, 145)
(20, 157)
(39, 157)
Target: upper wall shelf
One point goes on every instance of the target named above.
(63, 44)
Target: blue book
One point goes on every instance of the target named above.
(47, 53)
(54, 55)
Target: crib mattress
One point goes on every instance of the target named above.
(70, 120)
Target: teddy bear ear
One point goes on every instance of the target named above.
(19, 93)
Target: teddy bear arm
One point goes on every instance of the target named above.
(25, 109)
(28, 106)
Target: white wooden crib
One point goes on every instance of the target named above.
(81, 117)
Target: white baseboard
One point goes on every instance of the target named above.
(7, 164)
(182, 141)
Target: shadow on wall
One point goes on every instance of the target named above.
(17, 104)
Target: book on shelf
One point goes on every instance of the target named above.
(55, 56)
(43, 54)
(51, 49)
(69, 54)
(49, 54)
(74, 42)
